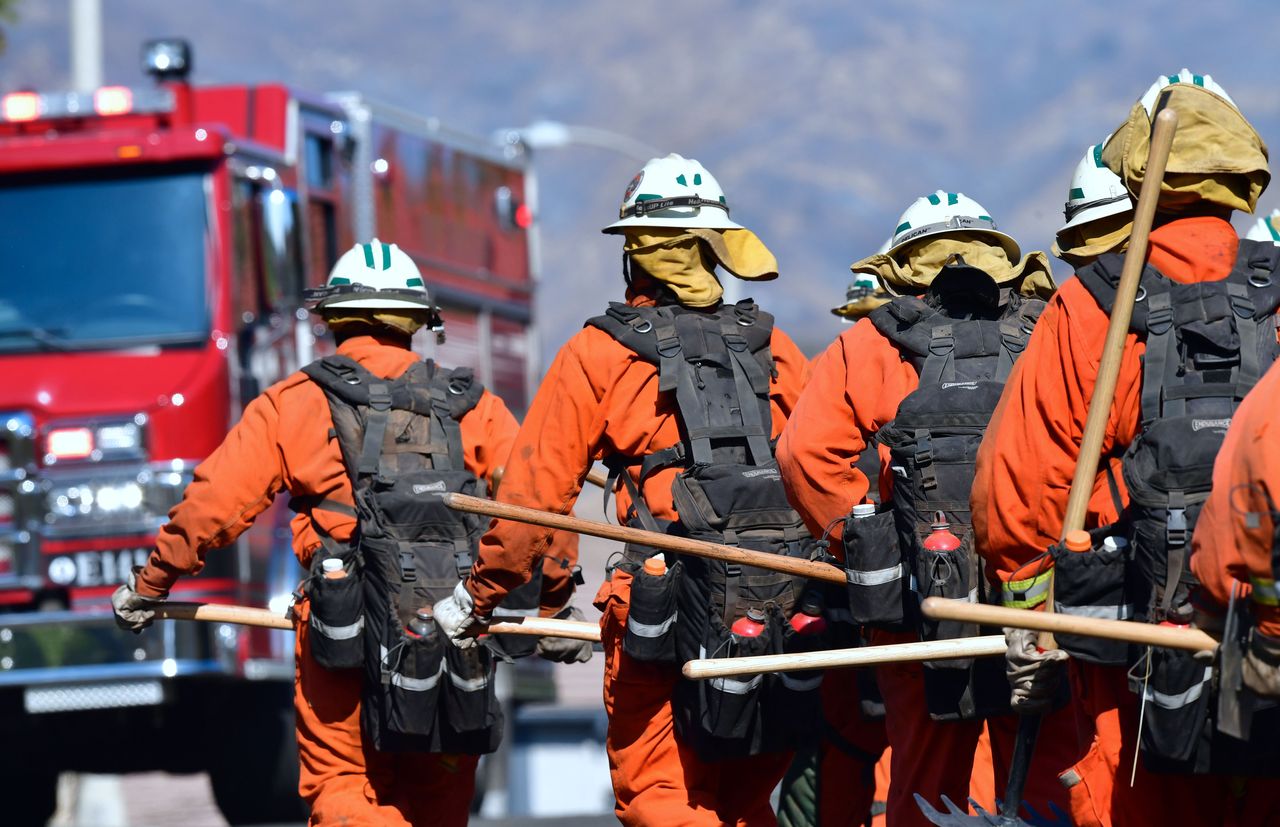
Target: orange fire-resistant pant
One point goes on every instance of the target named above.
(348, 783)
(657, 778)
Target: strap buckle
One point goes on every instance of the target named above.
(1176, 526)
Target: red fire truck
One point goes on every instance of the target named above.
(156, 242)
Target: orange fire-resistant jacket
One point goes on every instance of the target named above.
(599, 398)
(854, 390)
(1235, 536)
(1028, 455)
(283, 443)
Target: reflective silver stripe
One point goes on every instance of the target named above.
(878, 577)
(502, 611)
(650, 629)
(338, 632)
(417, 684)
(1180, 700)
(469, 684)
(736, 687)
(1122, 612)
(973, 595)
(801, 684)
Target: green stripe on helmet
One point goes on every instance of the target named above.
(414, 282)
(1076, 194)
(680, 180)
(339, 280)
(1174, 78)
(903, 227)
(952, 199)
(1271, 228)
(697, 178)
(386, 256)
(934, 199)
(368, 255)
(1198, 80)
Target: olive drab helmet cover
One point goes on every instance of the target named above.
(373, 276)
(948, 212)
(673, 192)
(1266, 229)
(1096, 192)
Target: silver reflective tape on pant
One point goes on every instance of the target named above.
(877, 577)
(736, 687)
(417, 684)
(1122, 612)
(650, 630)
(1190, 696)
(801, 684)
(338, 632)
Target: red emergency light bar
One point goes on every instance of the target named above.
(17, 107)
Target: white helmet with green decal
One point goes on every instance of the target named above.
(374, 276)
(949, 212)
(1266, 229)
(1096, 191)
(673, 192)
(1184, 76)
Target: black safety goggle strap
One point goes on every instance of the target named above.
(642, 208)
(318, 295)
(1070, 211)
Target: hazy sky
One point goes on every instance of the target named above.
(822, 120)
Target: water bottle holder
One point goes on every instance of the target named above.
(412, 673)
(653, 616)
(874, 572)
(337, 622)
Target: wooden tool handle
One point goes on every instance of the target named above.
(598, 478)
(1146, 634)
(971, 647)
(217, 613)
(544, 627)
(665, 542)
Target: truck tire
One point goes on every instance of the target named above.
(30, 795)
(255, 772)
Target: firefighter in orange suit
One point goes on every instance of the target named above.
(855, 390)
(600, 399)
(283, 443)
(1027, 462)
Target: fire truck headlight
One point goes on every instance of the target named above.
(166, 59)
(114, 499)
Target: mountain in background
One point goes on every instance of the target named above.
(822, 121)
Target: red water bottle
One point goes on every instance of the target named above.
(750, 626)
(941, 538)
(808, 619)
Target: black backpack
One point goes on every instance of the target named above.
(962, 338)
(402, 447)
(1208, 343)
(714, 371)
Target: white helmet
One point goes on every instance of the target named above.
(948, 212)
(1096, 191)
(1266, 229)
(673, 192)
(374, 276)
(1185, 76)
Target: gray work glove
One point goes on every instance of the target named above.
(134, 612)
(456, 617)
(1033, 674)
(1261, 668)
(563, 649)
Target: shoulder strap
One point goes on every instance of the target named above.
(1102, 277)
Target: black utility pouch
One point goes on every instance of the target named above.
(730, 707)
(1177, 690)
(947, 574)
(337, 616)
(411, 678)
(469, 701)
(874, 571)
(791, 710)
(652, 617)
(1093, 584)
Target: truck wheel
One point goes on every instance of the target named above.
(30, 796)
(255, 774)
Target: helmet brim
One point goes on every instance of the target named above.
(706, 218)
(375, 303)
(1101, 211)
(1006, 242)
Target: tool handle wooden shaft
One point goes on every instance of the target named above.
(1145, 634)
(215, 613)
(545, 627)
(973, 647)
(598, 478)
(665, 542)
(1104, 390)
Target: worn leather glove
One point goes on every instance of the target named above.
(1033, 674)
(1261, 668)
(134, 611)
(563, 649)
(456, 617)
